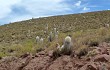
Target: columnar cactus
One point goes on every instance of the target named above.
(29, 32)
(67, 46)
(45, 32)
(55, 31)
(67, 42)
(37, 39)
(54, 25)
(46, 28)
(50, 37)
(107, 25)
(41, 41)
(56, 37)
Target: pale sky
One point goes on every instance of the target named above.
(18, 10)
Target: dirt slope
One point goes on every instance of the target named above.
(44, 61)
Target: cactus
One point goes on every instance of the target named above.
(50, 37)
(56, 34)
(41, 41)
(29, 32)
(107, 25)
(55, 31)
(66, 47)
(67, 42)
(56, 37)
(37, 39)
(46, 28)
(45, 32)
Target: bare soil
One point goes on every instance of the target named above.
(44, 61)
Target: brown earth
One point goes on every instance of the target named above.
(45, 61)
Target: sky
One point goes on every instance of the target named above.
(18, 10)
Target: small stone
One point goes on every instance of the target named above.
(102, 58)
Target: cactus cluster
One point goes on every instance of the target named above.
(67, 46)
(65, 49)
(48, 35)
(39, 40)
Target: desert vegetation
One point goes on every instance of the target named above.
(75, 35)
(27, 36)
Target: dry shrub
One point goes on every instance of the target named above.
(56, 53)
(82, 51)
(91, 53)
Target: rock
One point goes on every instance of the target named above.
(25, 55)
(108, 67)
(89, 66)
(102, 58)
(50, 53)
(42, 53)
(38, 63)
(104, 44)
(25, 63)
(62, 63)
(79, 64)
(37, 55)
(88, 59)
(104, 51)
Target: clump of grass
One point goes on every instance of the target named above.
(56, 53)
(3, 54)
(93, 43)
(91, 53)
(107, 39)
(82, 51)
(102, 31)
(92, 37)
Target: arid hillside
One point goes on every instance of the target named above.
(19, 31)
(39, 44)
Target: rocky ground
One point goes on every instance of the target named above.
(44, 61)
